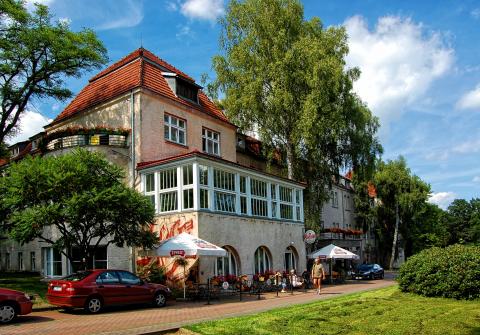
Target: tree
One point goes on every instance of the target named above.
(76, 201)
(286, 79)
(402, 196)
(463, 221)
(36, 56)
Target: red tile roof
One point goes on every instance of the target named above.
(143, 69)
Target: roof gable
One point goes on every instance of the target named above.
(143, 69)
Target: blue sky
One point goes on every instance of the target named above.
(420, 63)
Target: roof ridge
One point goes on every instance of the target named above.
(140, 53)
(123, 61)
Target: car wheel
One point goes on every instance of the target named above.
(371, 277)
(93, 305)
(383, 275)
(7, 313)
(159, 300)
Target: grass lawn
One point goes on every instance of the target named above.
(28, 283)
(383, 311)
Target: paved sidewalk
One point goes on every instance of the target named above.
(177, 314)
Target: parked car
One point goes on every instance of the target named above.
(13, 303)
(368, 271)
(95, 289)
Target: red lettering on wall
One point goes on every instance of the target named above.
(176, 228)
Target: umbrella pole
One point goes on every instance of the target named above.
(184, 284)
(331, 269)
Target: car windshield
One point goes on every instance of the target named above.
(78, 276)
(365, 267)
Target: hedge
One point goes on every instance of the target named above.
(451, 272)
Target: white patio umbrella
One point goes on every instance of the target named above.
(332, 252)
(184, 245)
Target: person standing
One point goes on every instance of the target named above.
(318, 273)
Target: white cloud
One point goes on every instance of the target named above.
(203, 9)
(442, 199)
(475, 13)
(470, 100)
(185, 31)
(124, 14)
(399, 62)
(30, 4)
(31, 123)
(470, 146)
(65, 20)
(476, 179)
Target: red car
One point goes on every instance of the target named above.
(95, 289)
(13, 303)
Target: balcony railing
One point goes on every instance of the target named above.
(91, 139)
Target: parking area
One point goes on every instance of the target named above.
(144, 320)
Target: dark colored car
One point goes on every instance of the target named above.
(95, 289)
(13, 303)
(368, 271)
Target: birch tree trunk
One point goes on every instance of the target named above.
(395, 236)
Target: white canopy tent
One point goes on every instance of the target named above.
(331, 251)
(186, 245)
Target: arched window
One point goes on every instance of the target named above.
(227, 265)
(290, 258)
(262, 260)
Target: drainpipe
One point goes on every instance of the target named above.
(132, 142)
(132, 161)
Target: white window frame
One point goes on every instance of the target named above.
(264, 258)
(48, 266)
(289, 251)
(187, 187)
(33, 265)
(173, 189)
(335, 199)
(152, 193)
(231, 187)
(219, 191)
(232, 270)
(259, 198)
(169, 123)
(21, 263)
(284, 202)
(208, 137)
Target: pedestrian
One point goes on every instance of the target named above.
(318, 273)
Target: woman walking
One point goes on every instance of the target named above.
(318, 273)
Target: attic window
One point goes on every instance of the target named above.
(187, 91)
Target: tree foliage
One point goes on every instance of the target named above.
(74, 201)
(462, 221)
(36, 55)
(285, 78)
(402, 197)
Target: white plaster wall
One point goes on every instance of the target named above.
(245, 235)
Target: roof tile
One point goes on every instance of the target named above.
(132, 72)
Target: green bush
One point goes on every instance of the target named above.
(451, 272)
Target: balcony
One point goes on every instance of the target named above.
(78, 137)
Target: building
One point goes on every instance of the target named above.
(182, 152)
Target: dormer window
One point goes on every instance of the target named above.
(15, 151)
(187, 91)
(181, 87)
